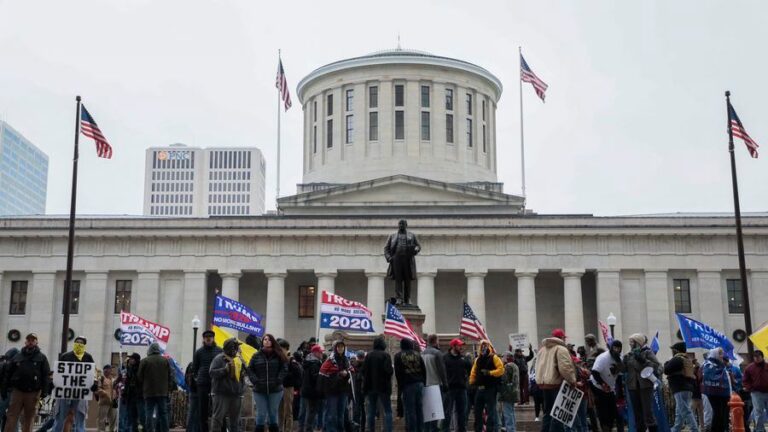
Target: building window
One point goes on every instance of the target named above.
(399, 95)
(329, 105)
(350, 99)
(682, 289)
(373, 126)
(425, 96)
(314, 139)
(449, 128)
(18, 298)
(399, 125)
(74, 298)
(425, 126)
(469, 132)
(123, 296)
(449, 99)
(350, 129)
(483, 110)
(469, 104)
(735, 296)
(306, 301)
(329, 133)
(314, 110)
(485, 141)
(373, 97)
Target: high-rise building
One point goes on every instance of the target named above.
(193, 182)
(23, 174)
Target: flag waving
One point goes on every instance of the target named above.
(90, 129)
(396, 325)
(738, 131)
(471, 327)
(282, 85)
(527, 75)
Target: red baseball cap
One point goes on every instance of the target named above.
(558, 333)
(317, 348)
(456, 342)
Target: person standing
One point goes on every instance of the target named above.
(605, 370)
(334, 380)
(266, 371)
(133, 400)
(107, 400)
(641, 389)
(457, 370)
(553, 366)
(681, 379)
(509, 391)
(311, 394)
(756, 382)
(5, 399)
(485, 376)
(716, 386)
(435, 367)
(227, 384)
(697, 404)
(411, 374)
(358, 402)
(28, 379)
(292, 381)
(377, 384)
(521, 360)
(76, 407)
(201, 372)
(590, 346)
(156, 377)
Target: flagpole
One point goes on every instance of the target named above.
(277, 192)
(522, 136)
(71, 242)
(739, 236)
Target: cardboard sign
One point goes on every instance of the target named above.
(518, 341)
(73, 380)
(567, 404)
(432, 404)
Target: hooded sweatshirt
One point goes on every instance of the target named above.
(488, 367)
(155, 373)
(377, 369)
(309, 386)
(331, 379)
(228, 371)
(409, 365)
(554, 364)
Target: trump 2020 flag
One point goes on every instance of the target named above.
(338, 313)
(237, 316)
(696, 334)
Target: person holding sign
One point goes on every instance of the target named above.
(27, 378)
(77, 406)
(486, 376)
(553, 366)
(640, 388)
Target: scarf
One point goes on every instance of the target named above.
(79, 350)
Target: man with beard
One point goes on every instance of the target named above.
(457, 369)
(606, 368)
(28, 378)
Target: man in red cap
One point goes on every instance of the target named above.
(457, 369)
(553, 366)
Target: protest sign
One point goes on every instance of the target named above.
(73, 380)
(136, 331)
(696, 334)
(566, 404)
(432, 404)
(518, 341)
(237, 316)
(338, 313)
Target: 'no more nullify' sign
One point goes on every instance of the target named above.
(567, 404)
(73, 380)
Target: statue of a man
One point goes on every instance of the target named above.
(400, 250)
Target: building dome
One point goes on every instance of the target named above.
(399, 112)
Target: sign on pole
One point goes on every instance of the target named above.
(237, 316)
(567, 404)
(338, 313)
(73, 380)
(518, 341)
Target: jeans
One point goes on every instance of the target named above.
(193, 415)
(683, 412)
(266, 407)
(548, 424)
(63, 407)
(580, 422)
(509, 415)
(47, 425)
(759, 410)
(374, 399)
(485, 399)
(455, 399)
(310, 409)
(335, 408)
(414, 414)
(159, 404)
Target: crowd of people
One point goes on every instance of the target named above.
(335, 390)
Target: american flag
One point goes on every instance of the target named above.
(471, 327)
(282, 85)
(739, 132)
(90, 129)
(396, 325)
(527, 75)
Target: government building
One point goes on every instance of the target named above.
(390, 135)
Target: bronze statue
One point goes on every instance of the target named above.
(400, 250)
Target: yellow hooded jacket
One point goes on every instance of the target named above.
(476, 377)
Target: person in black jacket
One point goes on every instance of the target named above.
(334, 380)
(680, 376)
(311, 396)
(5, 398)
(521, 361)
(292, 381)
(266, 371)
(201, 384)
(28, 378)
(377, 383)
(77, 406)
(132, 395)
(457, 369)
(411, 374)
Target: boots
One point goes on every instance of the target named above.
(274, 428)
(259, 428)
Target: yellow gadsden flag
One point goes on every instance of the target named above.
(760, 338)
(222, 335)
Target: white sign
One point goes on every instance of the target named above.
(567, 404)
(432, 404)
(73, 380)
(518, 341)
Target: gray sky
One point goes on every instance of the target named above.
(634, 120)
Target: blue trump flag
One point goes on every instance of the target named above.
(655, 343)
(231, 314)
(696, 334)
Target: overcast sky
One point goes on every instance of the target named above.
(634, 122)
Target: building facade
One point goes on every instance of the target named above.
(23, 174)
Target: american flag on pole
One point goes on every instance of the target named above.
(282, 85)
(471, 327)
(396, 325)
(527, 75)
(90, 129)
(739, 132)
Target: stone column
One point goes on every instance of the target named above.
(712, 298)
(476, 294)
(758, 297)
(172, 292)
(657, 301)
(609, 298)
(574, 306)
(230, 285)
(326, 281)
(195, 303)
(276, 304)
(147, 296)
(376, 298)
(41, 303)
(426, 301)
(93, 302)
(526, 304)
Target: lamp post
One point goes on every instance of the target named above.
(611, 320)
(195, 326)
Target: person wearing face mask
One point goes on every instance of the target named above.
(641, 389)
(486, 376)
(28, 379)
(79, 407)
(228, 384)
(606, 368)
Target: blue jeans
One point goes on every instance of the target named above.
(64, 406)
(509, 415)
(759, 410)
(159, 404)
(580, 422)
(412, 410)
(455, 399)
(683, 412)
(373, 408)
(335, 407)
(266, 407)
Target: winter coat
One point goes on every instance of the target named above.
(756, 377)
(331, 381)
(715, 380)
(634, 362)
(223, 381)
(155, 374)
(310, 377)
(377, 370)
(133, 388)
(490, 363)
(201, 364)
(554, 365)
(522, 362)
(28, 371)
(679, 372)
(267, 372)
(433, 360)
(737, 378)
(509, 390)
(106, 392)
(409, 365)
(457, 369)
(293, 377)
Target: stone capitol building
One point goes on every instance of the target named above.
(390, 135)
